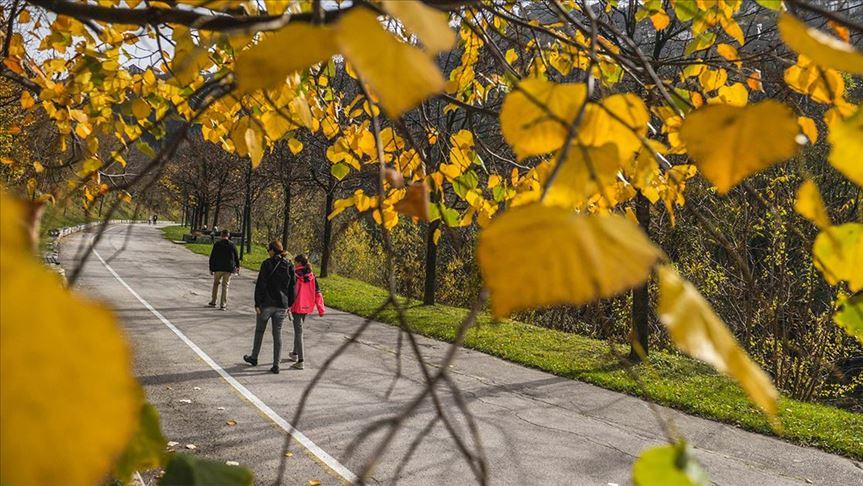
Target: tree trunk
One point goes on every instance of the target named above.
(286, 221)
(218, 208)
(328, 233)
(640, 332)
(430, 264)
(206, 214)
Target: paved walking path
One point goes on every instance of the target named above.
(536, 428)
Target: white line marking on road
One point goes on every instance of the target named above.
(327, 459)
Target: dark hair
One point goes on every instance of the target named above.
(276, 247)
(302, 260)
(225, 233)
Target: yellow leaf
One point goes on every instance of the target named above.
(534, 118)
(712, 80)
(728, 52)
(846, 138)
(729, 143)
(400, 75)
(810, 205)
(141, 109)
(276, 125)
(699, 332)
(823, 49)
(822, 85)
(838, 253)
(295, 145)
(511, 56)
(416, 202)
(589, 257)
(253, 145)
(27, 100)
(293, 48)
(587, 171)
(660, 20)
(753, 80)
(807, 126)
(63, 380)
(734, 95)
(619, 119)
(429, 24)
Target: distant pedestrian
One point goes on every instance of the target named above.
(155, 219)
(224, 261)
(308, 299)
(274, 295)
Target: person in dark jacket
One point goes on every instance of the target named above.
(224, 261)
(274, 295)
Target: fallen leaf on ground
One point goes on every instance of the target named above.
(232, 463)
(185, 400)
(191, 447)
(171, 443)
(231, 422)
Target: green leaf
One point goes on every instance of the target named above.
(700, 42)
(340, 170)
(668, 465)
(775, 5)
(464, 183)
(850, 316)
(185, 470)
(146, 450)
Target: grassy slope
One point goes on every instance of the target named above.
(669, 379)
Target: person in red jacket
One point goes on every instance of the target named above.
(308, 298)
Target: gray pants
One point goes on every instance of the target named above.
(278, 315)
(298, 335)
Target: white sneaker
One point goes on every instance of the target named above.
(297, 366)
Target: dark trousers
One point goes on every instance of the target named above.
(298, 335)
(278, 316)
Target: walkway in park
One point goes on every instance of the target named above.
(536, 428)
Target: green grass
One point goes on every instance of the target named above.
(669, 379)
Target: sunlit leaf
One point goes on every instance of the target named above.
(810, 205)
(295, 47)
(534, 118)
(696, 329)
(254, 145)
(821, 84)
(295, 146)
(400, 75)
(850, 316)
(668, 465)
(730, 143)
(823, 49)
(838, 252)
(846, 138)
(429, 24)
(61, 379)
(807, 126)
(585, 172)
(589, 257)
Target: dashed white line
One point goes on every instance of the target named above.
(322, 455)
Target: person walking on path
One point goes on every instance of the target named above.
(224, 261)
(308, 299)
(274, 295)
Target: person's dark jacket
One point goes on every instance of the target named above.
(275, 284)
(223, 257)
